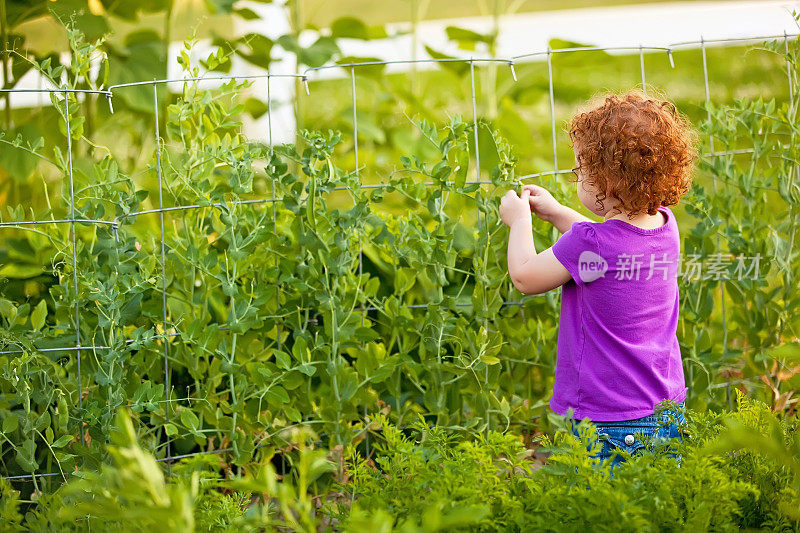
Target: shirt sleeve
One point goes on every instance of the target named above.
(578, 250)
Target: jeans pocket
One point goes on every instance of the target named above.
(621, 438)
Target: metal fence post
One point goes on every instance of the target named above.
(163, 278)
(714, 185)
(78, 349)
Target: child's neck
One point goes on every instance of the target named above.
(642, 220)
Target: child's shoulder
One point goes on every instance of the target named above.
(615, 227)
(618, 236)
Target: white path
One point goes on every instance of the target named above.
(649, 24)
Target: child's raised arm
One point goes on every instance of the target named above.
(530, 272)
(550, 210)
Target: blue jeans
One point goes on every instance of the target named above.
(626, 435)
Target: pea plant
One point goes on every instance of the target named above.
(740, 320)
(266, 282)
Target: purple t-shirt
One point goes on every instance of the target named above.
(618, 354)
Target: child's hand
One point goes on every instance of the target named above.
(542, 202)
(513, 207)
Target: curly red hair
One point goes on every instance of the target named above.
(634, 149)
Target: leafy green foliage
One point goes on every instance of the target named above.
(293, 311)
(294, 292)
(9, 507)
(749, 209)
(711, 490)
(134, 492)
(428, 478)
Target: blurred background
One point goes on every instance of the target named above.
(142, 41)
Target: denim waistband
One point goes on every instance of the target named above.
(649, 419)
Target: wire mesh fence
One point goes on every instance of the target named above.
(170, 330)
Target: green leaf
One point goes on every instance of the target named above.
(258, 49)
(349, 27)
(20, 271)
(17, 161)
(307, 369)
(490, 359)
(10, 423)
(247, 14)
(383, 372)
(292, 414)
(62, 441)
(277, 395)
(405, 279)
(77, 13)
(364, 334)
(39, 315)
(348, 383)
(460, 68)
(220, 6)
(315, 55)
(26, 456)
(42, 421)
(505, 408)
(467, 39)
(141, 59)
(189, 419)
(255, 107)
(283, 360)
(292, 380)
(7, 309)
(353, 28)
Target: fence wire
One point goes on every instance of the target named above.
(350, 68)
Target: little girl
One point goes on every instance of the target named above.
(618, 355)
